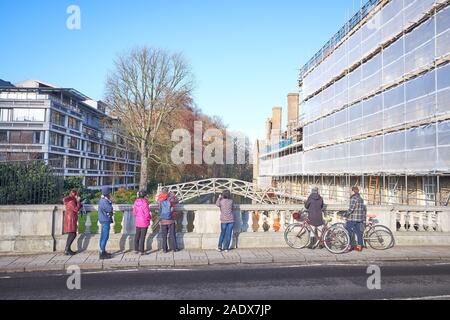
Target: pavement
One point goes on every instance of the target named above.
(203, 258)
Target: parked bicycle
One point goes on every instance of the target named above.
(299, 235)
(377, 236)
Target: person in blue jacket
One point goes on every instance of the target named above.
(105, 217)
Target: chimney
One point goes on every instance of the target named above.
(277, 113)
(293, 112)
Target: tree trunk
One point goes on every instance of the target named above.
(144, 172)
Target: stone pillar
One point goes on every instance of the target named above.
(207, 220)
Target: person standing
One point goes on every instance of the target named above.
(314, 205)
(167, 220)
(356, 217)
(105, 217)
(72, 205)
(142, 215)
(225, 203)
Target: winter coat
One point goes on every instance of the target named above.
(314, 205)
(71, 215)
(357, 210)
(142, 213)
(226, 210)
(105, 210)
(163, 197)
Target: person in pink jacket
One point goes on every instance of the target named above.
(142, 217)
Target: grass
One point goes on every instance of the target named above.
(118, 216)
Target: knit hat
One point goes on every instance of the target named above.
(106, 191)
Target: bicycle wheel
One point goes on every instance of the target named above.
(380, 238)
(297, 236)
(336, 240)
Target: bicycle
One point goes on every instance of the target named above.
(377, 236)
(335, 238)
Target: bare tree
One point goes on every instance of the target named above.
(147, 85)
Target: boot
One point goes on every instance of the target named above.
(104, 256)
(69, 252)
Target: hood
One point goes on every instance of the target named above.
(315, 196)
(163, 197)
(141, 202)
(68, 199)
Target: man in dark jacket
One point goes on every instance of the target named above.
(105, 214)
(314, 205)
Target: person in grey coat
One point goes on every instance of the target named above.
(314, 205)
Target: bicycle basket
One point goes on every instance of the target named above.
(300, 216)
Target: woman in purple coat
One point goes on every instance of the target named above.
(314, 205)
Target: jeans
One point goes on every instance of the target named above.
(226, 229)
(355, 227)
(168, 229)
(139, 239)
(104, 236)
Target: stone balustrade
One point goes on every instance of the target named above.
(40, 228)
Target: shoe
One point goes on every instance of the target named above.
(166, 251)
(359, 248)
(142, 253)
(136, 252)
(176, 250)
(226, 251)
(104, 256)
(69, 253)
(219, 250)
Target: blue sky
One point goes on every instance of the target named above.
(245, 54)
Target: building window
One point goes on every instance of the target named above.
(5, 115)
(74, 124)
(21, 137)
(429, 189)
(56, 139)
(56, 160)
(73, 143)
(38, 137)
(3, 136)
(109, 151)
(107, 181)
(58, 119)
(29, 115)
(108, 166)
(121, 154)
(92, 147)
(91, 164)
(73, 163)
(92, 181)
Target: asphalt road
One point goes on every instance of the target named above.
(398, 281)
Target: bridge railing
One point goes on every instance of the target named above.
(270, 218)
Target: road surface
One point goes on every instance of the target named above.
(397, 281)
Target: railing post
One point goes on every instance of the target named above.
(184, 222)
(283, 220)
(402, 221)
(88, 223)
(430, 222)
(411, 222)
(421, 221)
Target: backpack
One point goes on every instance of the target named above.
(165, 210)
